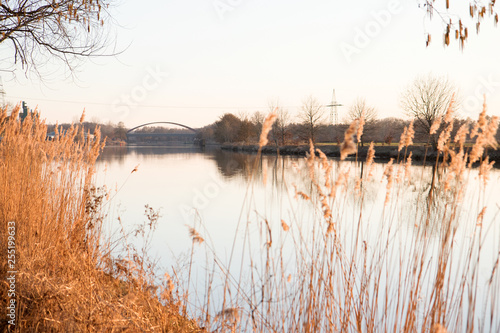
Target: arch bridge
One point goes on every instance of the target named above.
(186, 138)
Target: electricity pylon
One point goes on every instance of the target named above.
(334, 114)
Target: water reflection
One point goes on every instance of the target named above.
(209, 190)
(114, 153)
(281, 174)
(233, 164)
(118, 153)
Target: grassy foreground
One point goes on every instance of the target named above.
(342, 268)
(360, 249)
(55, 263)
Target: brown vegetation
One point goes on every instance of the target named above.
(66, 278)
(340, 269)
(350, 266)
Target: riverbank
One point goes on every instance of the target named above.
(63, 270)
(382, 153)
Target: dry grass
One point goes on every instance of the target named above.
(352, 263)
(357, 263)
(66, 279)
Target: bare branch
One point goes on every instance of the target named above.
(40, 30)
(454, 26)
(427, 99)
(356, 110)
(312, 116)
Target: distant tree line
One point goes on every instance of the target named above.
(109, 131)
(425, 101)
(116, 132)
(230, 128)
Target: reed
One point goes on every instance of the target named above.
(354, 261)
(66, 279)
(352, 250)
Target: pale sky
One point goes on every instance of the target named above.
(192, 61)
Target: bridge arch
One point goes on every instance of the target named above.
(162, 122)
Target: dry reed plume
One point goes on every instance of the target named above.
(267, 126)
(361, 256)
(348, 146)
(66, 279)
(405, 262)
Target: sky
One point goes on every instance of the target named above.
(192, 61)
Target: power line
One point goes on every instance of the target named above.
(148, 106)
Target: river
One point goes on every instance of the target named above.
(240, 204)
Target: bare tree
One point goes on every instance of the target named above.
(281, 126)
(280, 131)
(426, 99)
(38, 31)
(358, 109)
(120, 131)
(389, 129)
(312, 116)
(257, 120)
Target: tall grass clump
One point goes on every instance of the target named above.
(65, 277)
(360, 248)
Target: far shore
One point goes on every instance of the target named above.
(383, 153)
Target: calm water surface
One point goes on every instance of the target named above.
(209, 190)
